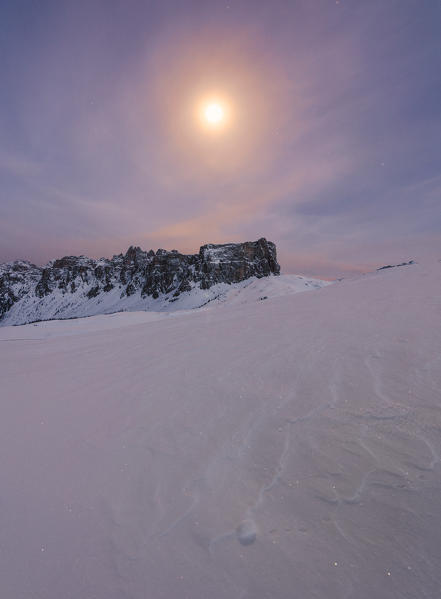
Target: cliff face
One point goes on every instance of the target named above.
(35, 292)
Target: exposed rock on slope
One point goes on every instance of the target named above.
(63, 286)
(16, 280)
(397, 265)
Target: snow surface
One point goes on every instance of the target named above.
(287, 448)
(62, 305)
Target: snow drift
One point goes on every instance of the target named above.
(272, 449)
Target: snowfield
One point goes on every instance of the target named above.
(282, 449)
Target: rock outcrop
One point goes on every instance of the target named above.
(29, 288)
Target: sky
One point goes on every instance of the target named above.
(332, 147)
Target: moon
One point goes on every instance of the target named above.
(214, 113)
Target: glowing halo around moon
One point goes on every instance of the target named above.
(192, 78)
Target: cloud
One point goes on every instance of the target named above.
(18, 166)
(334, 151)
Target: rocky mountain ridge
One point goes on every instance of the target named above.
(57, 289)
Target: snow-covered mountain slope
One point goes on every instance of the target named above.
(274, 449)
(220, 295)
(59, 305)
(76, 286)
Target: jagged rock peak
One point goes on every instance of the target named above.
(78, 279)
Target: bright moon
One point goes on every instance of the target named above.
(214, 113)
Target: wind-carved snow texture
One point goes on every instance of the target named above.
(267, 449)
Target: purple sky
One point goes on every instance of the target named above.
(334, 152)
